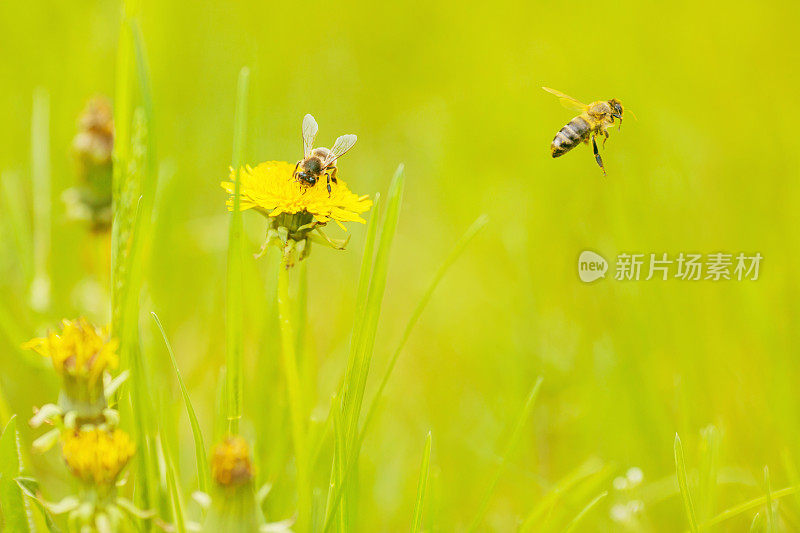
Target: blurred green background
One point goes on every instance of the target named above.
(452, 90)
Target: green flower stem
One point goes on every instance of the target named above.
(294, 391)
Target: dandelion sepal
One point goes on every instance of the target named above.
(66, 505)
(46, 441)
(45, 413)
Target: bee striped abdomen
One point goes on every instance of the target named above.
(570, 136)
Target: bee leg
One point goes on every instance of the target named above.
(605, 138)
(333, 174)
(328, 176)
(597, 155)
(294, 174)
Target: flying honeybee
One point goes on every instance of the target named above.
(594, 120)
(319, 162)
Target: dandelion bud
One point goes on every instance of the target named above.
(92, 146)
(230, 464)
(95, 139)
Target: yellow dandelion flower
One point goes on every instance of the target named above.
(97, 457)
(81, 350)
(230, 463)
(293, 209)
(271, 189)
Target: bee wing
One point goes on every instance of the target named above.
(310, 129)
(340, 147)
(567, 101)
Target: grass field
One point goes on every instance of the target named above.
(447, 371)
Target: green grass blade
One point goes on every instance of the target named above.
(220, 404)
(365, 271)
(135, 180)
(234, 352)
(364, 334)
(146, 94)
(757, 525)
(14, 205)
(203, 475)
(683, 484)
(5, 410)
(333, 483)
(709, 470)
(772, 524)
(364, 275)
(135, 195)
(30, 488)
(377, 286)
(16, 515)
(575, 521)
(749, 506)
(370, 294)
(509, 449)
(340, 479)
(175, 499)
(123, 114)
(422, 487)
(42, 202)
(361, 304)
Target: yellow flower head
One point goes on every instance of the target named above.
(271, 189)
(230, 463)
(81, 350)
(97, 456)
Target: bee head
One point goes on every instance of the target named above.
(307, 177)
(616, 107)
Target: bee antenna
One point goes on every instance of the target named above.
(632, 114)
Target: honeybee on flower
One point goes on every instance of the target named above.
(318, 162)
(296, 207)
